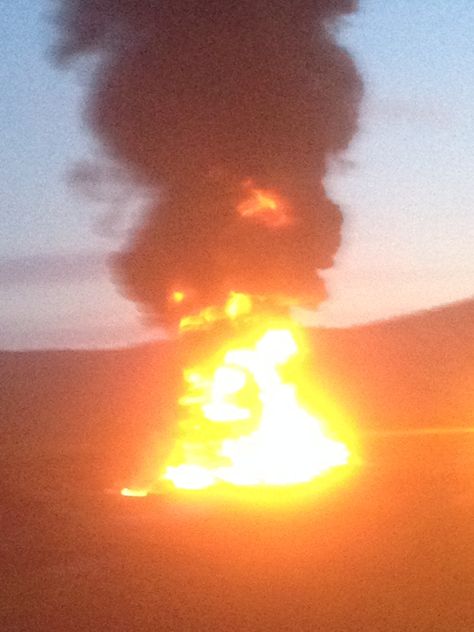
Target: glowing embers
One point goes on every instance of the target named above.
(264, 206)
(178, 296)
(134, 493)
(243, 423)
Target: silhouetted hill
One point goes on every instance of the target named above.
(106, 404)
(408, 372)
(412, 371)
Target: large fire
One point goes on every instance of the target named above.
(243, 421)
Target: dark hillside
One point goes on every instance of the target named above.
(412, 372)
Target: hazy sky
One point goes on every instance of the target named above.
(406, 184)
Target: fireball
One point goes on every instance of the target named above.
(242, 419)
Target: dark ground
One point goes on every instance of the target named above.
(391, 548)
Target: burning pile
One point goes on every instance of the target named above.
(242, 422)
(227, 113)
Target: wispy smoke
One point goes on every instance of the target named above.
(193, 98)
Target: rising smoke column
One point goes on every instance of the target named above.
(199, 99)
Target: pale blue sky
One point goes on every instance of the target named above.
(405, 185)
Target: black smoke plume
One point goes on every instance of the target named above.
(194, 98)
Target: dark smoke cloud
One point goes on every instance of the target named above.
(194, 97)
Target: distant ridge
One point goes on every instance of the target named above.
(415, 370)
(411, 372)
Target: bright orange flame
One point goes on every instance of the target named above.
(265, 207)
(134, 493)
(243, 423)
(177, 296)
(236, 306)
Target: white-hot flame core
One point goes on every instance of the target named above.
(288, 446)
